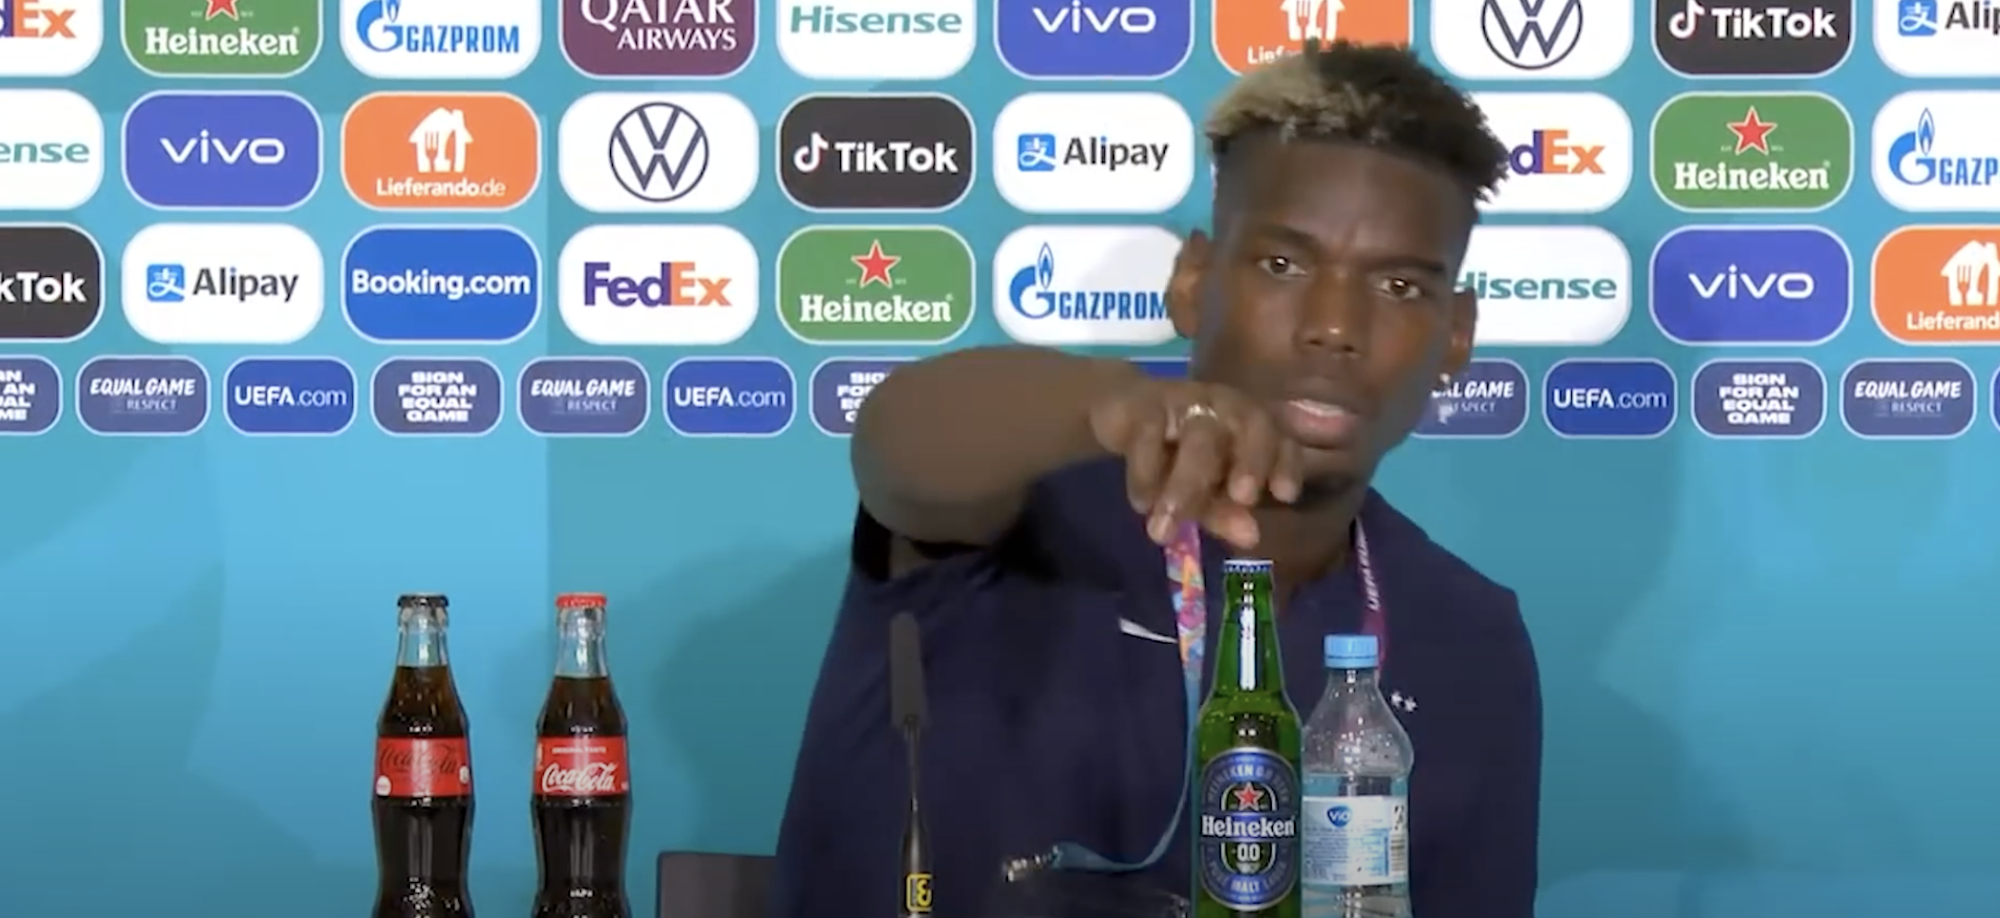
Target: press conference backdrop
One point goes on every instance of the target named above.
(308, 306)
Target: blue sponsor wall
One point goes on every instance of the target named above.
(1764, 643)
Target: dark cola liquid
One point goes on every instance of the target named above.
(582, 803)
(423, 843)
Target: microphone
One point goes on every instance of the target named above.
(907, 713)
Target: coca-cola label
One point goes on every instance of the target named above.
(423, 767)
(581, 766)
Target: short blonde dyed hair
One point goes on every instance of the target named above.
(1376, 95)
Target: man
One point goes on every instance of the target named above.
(1015, 500)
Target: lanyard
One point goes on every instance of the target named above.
(1190, 598)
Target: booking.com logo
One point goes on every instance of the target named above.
(470, 284)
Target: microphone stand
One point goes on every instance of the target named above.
(916, 836)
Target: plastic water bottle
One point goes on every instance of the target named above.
(1355, 822)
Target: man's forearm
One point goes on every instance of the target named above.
(945, 448)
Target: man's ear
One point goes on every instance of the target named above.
(1184, 287)
(1464, 323)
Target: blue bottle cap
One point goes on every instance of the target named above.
(1351, 651)
(1246, 566)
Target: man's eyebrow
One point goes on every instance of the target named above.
(1303, 239)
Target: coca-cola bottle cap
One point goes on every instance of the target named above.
(433, 600)
(580, 601)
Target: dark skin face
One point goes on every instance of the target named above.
(1330, 280)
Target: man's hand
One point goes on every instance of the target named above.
(1197, 452)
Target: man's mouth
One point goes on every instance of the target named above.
(1319, 425)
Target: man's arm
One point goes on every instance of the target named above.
(1495, 867)
(946, 448)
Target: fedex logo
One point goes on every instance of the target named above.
(35, 19)
(678, 283)
(1549, 152)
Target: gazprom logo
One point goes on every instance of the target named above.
(380, 27)
(1108, 288)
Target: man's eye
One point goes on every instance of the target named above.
(1402, 288)
(1280, 265)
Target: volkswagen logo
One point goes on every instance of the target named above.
(1531, 34)
(659, 152)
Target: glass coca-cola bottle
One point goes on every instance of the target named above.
(423, 775)
(582, 800)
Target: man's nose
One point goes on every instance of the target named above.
(1336, 318)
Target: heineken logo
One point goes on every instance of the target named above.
(1234, 828)
(1752, 152)
(166, 42)
(222, 38)
(1247, 854)
(875, 285)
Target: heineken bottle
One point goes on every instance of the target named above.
(1247, 751)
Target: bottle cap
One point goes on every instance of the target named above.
(431, 600)
(1246, 566)
(579, 601)
(1351, 651)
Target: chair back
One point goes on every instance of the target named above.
(700, 884)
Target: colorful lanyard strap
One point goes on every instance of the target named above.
(1190, 599)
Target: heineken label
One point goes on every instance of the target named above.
(1247, 852)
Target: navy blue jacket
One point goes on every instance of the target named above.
(1051, 722)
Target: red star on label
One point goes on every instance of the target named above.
(1751, 132)
(1248, 796)
(221, 8)
(875, 265)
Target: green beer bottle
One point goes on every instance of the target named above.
(1247, 751)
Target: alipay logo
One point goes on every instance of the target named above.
(1938, 38)
(1939, 151)
(234, 150)
(51, 149)
(877, 39)
(1531, 39)
(659, 153)
(220, 283)
(1548, 285)
(1064, 286)
(1568, 153)
(440, 39)
(1093, 153)
(1093, 39)
(1760, 285)
(680, 284)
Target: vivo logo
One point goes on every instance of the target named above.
(1076, 19)
(207, 149)
(1733, 285)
